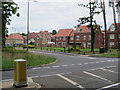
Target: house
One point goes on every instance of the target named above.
(62, 37)
(112, 36)
(15, 39)
(82, 37)
(40, 39)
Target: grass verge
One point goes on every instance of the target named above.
(9, 55)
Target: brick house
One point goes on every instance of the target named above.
(62, 37)
(15, 39)
(82, 37)
(40, 39)
(112, 36)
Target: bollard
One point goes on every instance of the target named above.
(20, 77)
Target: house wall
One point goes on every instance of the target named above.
(44, 39)
(38, 43)
(14, 41)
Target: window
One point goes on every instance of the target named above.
(64, 38)
(85, 30)
(119, 36)
(89, 30)
(112, 28)
(71, 38)
(78, 37)
(89, 37)
(64, 43)
(78, 30)
(60, 38)
(84, 38)
(56, 38)
(111, 44)
(112, 36)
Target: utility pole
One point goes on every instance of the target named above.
(105, 25)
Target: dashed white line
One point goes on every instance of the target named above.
(91, 62)
(70, 81)
(96, 76)
(108, 70)
(96, 62)
(64, 65)
(102, 61)
(37, 68)
(55, 66)
(109, 86)
(85, 63)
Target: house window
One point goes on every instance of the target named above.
(71, 38)
(64, 38)
(89, 30)
(112, 44)
(78, 30)
(85, 30)
(60, 38)
(37, 38)
(112, 28)
(56, 38)
(119, 36)
(78, 37)
(89, 37)
(112, 36)
(84, 38)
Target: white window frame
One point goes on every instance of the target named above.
(119, 36)
(112, 28)
(112, 36)
(37, 38)
(71, 38)
(78, 31)
(89, 37)
(84, 37)
(56, 38)
(64, 38)
(78, 37)
(111, 44)
(60, 38)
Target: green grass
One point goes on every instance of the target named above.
(110, 53)
(9, 55)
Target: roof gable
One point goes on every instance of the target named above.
(64, 32)
(15, 36)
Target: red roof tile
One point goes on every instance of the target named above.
(32, 35)
(64, 32)
(83, 28)
(14, 36)
(73, 32)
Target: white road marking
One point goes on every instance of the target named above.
(55, 66)
(85, 63)
(92, 58)
(29, 79)
(113, 60)
(79, 64)
(7, 80)
(97, 76)
(96, 62)
(109, 86)
(37, 68)
(64, 65)
(70, 81)
(109, 60)
(46, 67)
(72, 64)
(69, 73)
(108, 70)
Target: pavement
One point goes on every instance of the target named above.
(74, 71)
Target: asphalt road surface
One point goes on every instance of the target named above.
(73, 71)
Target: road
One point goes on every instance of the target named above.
(73, 71)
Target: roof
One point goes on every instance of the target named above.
(64, 32)
(83, 28)
(32, 35)
(118, 26)
(14, 36)
(73, 32)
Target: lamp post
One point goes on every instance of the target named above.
(112, 4)
(27, 25)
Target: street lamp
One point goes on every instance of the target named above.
(112, 4)
(28, 23)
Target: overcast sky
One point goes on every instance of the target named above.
(53, 14)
